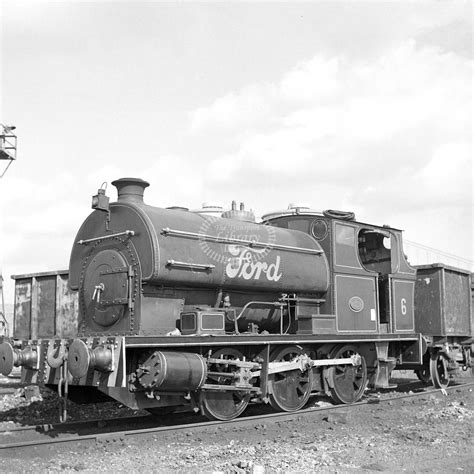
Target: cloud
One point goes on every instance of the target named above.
(448, 175)
(324, 113)
(388, 137)
(40, 219)
(455, 36)
(233, 110)
(313, 81)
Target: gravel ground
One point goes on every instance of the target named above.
(431, 433)
(31, 405)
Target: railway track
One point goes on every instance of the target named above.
(112, 429)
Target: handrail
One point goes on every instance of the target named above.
(228, 240)
(129, 233)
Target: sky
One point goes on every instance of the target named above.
(361, 106)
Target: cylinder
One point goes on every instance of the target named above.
(172, 371)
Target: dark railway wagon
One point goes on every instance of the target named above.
(44, 306)
(443, 301)
(444, 315)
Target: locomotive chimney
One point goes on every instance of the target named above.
(130, 189)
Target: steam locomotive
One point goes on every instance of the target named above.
(182, 310)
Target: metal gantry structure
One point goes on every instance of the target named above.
(4, 327)
(7, 147)
(420, 254)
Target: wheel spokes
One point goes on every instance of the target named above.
(348, 381)
(438, 371)
(226, 404)
(289, 390)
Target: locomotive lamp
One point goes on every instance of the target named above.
(100, 201)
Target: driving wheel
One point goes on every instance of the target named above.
(223, 404)
(348, 381)
(290, 390)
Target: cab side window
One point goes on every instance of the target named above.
(345, 243)
(375, 251)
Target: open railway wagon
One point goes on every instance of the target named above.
(44, 306)
(444, 314)
(180, 310)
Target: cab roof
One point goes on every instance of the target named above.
(302, 211)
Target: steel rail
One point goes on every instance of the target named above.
(240, 420)
(57, 427)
